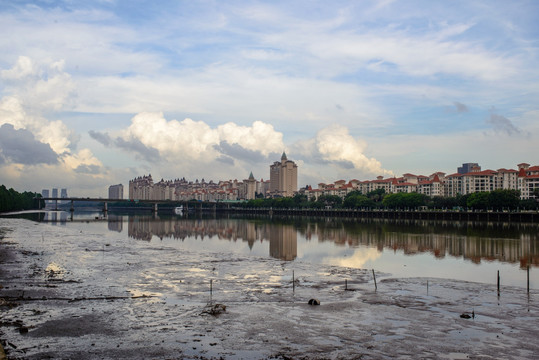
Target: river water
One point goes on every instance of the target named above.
(466, 251)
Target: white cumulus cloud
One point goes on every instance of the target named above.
(195, 140)
(334, 143)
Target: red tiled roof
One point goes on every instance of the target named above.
(481, 173)
(405, 184)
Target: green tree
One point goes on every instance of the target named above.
(355, 200)
(478, 200)
(333, 201)
(404, 200)
(504, 199)
(377, 195)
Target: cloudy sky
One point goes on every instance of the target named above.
(96, 93)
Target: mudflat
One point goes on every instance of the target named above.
(70, 293)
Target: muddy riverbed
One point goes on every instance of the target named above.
(69, 292)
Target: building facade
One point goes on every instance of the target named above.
(116, 191)
(283, 177)
(525, 180)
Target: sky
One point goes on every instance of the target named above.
(96, 93)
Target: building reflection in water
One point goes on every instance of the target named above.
(55, 217)
(282, 238)
(472, 241)
(283, 242)
(115, 222)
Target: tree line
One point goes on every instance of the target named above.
(497, 200)
(12, 200)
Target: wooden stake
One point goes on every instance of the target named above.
(345, 284)
(528, 278)
(374, 276)
(293, 282)
(498, 282)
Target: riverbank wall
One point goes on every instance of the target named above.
(527, 217)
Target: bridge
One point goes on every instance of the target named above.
(154, 203)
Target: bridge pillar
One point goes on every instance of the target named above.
(105, 207)
(72, 207)
(56, 205)
(155, 208)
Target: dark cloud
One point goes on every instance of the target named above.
(132, 145)
(103, 138)
(502, 124)
(225, 159)
(147, 153)
(344, 164)
(237, 151)
(460, 107)
(88, 169)
(20, 146)
(457, 108)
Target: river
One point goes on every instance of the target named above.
(469, 251)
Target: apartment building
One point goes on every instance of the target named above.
(526, 180)
(283, 177)
(116, 191)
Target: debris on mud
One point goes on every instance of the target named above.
(214, 309)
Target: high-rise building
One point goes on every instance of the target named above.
(116, 191)
(54, 192)
(251, 187)
(63, 193)
(468, 168)
(45, 193)
(283, 177)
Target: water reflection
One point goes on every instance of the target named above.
(476, 242)
(282, 237)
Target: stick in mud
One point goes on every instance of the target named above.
(498, 282)
(528, 278)
(293, 282)
(374, 276)
(345, 284)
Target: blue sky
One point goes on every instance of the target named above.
(96, 93)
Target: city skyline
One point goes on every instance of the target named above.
(97, 93)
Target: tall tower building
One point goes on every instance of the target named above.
(54, 193)
(251, 187)
(116, 191)
(284, 177)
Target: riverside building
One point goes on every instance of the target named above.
(283, 177)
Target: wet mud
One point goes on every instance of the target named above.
(70, 293)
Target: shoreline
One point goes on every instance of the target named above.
(138, 300)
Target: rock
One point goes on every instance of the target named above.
(314, 302)
(214, 309)
(23, 330)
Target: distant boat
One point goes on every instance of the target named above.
(178, 210)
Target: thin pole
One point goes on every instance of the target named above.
(498, 282)
(528, 278)
(374, 276)
(293, 282)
